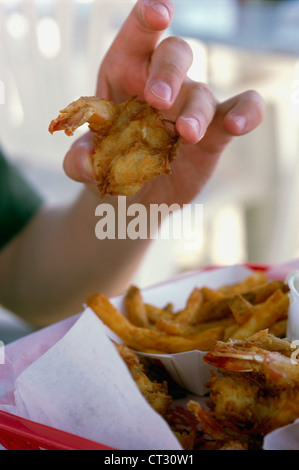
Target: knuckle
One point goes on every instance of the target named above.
(175, 70)
(257, 101)
(177, 42)
(202, 89)
(177, 48)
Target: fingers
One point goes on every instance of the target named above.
(199, 116)
(143, 28)
(200, 120)
(169, 65)
(78, 160)
(243, 113)
(192, 104)
(235, 117)
(197, 106)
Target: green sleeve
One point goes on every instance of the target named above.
(18, 201)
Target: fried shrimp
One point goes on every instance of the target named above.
(255, 391)
(271, 366)
(133, 142)
(156, 394)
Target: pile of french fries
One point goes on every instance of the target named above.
(230, 312)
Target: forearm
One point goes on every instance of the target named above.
(47, 272)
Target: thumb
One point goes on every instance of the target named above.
(78, 163)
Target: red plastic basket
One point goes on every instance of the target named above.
(22, 434)
(17, 433)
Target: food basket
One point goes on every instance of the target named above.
(17, 433)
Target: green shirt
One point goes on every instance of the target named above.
(18, 201)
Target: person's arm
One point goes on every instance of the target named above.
(48, 270)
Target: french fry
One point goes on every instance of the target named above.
(279, 328)
(241, 309)
(214, 310)
(189, 313)
(264, 316)
(168, 307)
(261, 292)
(140, 338)
(154, 314)
(135, 308)
(211, 295)
(185, 329)
(175, 328)
(234, 312)
(250, 282)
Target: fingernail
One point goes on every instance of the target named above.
(194, 124)
(161, 9)
(240, 122)
(87, 169)
(161, 90)
(83, 159)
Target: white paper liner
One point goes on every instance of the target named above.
(29, 365)
(285, 438)
(81, 386)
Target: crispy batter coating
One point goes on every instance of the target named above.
(133, 142)
(155, 393)
(256, 392)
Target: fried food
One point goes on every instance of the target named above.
(135, 308)
(254, 385)
(148, 340)
(186, 439)
(255, 391)
(263, 315)
(133, 142)
(209, 315)
(155, 393)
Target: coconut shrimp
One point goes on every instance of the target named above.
(133, 142)
(277, 369)
(253, 391)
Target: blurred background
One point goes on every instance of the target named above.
(50, 51)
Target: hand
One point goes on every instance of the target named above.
(138, 64)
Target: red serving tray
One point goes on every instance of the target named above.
(22, 434)
(17, 433)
